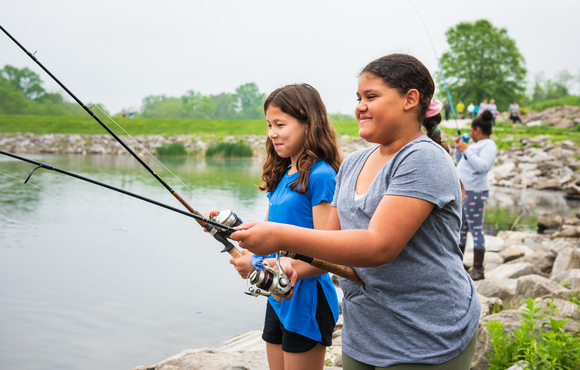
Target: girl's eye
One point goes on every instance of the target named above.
(358, 99)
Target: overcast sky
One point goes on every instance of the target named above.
(118, 52)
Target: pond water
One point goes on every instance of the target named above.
(93, 279)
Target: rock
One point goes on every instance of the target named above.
(503, 171)
(567, 259)
(535, 286)
(545, 223)
(541, 260)
(567, 232)
(534, 123)
(512, 271)
(514, 251)
(569, 279)
(503, 289)
(491, 260)
(488, 304)
(512, 237)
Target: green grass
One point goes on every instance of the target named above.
(229, 150)
(172, 149)
(568, 100)
(144, 126)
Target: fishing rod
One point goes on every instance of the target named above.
(465, 137)
(218, 235)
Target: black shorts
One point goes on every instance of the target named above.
(275, 333)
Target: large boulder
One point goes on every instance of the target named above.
(541, 260)
(512, 271)
(569, 279)
(535, 286)
(567, 259)
(505, 289)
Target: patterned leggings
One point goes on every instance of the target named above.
(472, 217)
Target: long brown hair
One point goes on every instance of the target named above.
(302, 102)
(405, 72)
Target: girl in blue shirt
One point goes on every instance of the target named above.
(299, 174)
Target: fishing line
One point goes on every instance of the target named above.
(440, 68)
(142, 147)
(148, 241)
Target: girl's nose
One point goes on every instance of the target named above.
(361, 107)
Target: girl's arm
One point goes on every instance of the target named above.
(394, 222)
(484, 161)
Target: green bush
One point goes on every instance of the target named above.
(538, 349)
(171, 149)
(229, 150)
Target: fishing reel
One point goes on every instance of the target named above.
(226, 217)
(264, 280)
(465, 138)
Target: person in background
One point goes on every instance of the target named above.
(473, 164)
(493, 109)
(470, 108)
(131, 114)
(483, 106)
(514, 111)
(299, 174)
(475, 110)
(460, 108)
(395, 217)
(447, 108)
(124, 113)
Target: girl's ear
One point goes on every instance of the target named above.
(411, 99)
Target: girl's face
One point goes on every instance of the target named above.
(286, 132)
(379, 110)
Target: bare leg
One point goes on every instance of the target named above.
(275, 356)
(311, 360)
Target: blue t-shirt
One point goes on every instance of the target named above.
(298, 314)
(422, 307)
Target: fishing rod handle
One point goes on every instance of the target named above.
(339, 270)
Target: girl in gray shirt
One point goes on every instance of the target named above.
(395, 218)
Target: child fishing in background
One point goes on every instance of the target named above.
(395, 218)
(473, 164)
(299, 174)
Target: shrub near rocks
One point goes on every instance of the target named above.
(545, 275)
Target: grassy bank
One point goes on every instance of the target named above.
(144, 126)
(503, 134)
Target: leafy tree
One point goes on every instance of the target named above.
(549, 90)
(483, 62)
(12, 100)
(25, 80)
(225, 106)
(161, 106)
(250, 101)
(197, 105)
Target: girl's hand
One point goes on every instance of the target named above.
(459, 144)
(259, 238)
(286, 265)
(243, 264)
(209, 214)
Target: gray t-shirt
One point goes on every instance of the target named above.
(422, 307)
